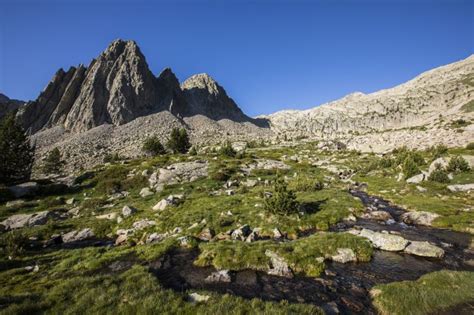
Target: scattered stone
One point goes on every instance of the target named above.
(416, 179)
(121, 239)
(424, 249)
(219, 276)
(421, 189)
(76, 236)
(155, 238)
(168, 201)
(461, 188)
(378, 215)
(142, 224)
(128, 211)
(145, 192)
(184, 241)
(179, 173)
(18, 221)
(250, 183)
(419, 217)
(344, 255)
(441, 161)
(107, 216)
(74, 211)
(241, 233)
(206, 235)
(277, 234)
(70, 201)
(279, 266)
(198, 298)
(385, 241)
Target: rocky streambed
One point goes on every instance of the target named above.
(342, 288)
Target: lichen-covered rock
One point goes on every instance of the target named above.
(128, 211)
(419, 217)
(279, 266)
(424, 249)
(76, 236)
(385, 241)
(344, 255)
(18, 221)
(461, 187)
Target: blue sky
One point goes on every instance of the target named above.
(269, 55)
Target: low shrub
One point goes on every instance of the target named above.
(458, 164)
(282, 201)
(470, 146)
(227, 150)
(439, 175)
(410, 167)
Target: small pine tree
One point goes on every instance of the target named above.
(283, 201)
(439, 175)
(53, 163)
(458, 164)
(410, 168)
(153, 146)
(179, 141)
(16, 152)
(227, 150)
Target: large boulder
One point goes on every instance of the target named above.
(385, 241)
(168, 201)
(143, 224)
(179, 173)
(424, 249)
(419, 217)
(461, 188)
(417, 179)
(78, 235)
(18, 221)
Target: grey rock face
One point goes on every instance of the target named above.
(206, 97)
(18, 221)
(76, 236)
(118, 87)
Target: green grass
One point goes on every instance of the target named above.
(468, 107)
(301, 255)
(431, 293)
(135, 291)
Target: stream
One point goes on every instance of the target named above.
(342, 288)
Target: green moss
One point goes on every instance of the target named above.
(431, 293)
(302, 255)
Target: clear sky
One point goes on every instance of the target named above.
(268, 55)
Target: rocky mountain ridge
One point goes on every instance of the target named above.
(117, 88)
(433, 96)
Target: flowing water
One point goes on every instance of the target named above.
(343, 287)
